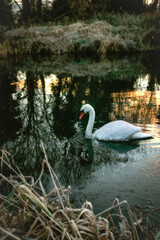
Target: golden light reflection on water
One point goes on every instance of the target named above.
(49, 81)
(141, 106)
(153, 142)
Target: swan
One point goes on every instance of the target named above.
(118, 130)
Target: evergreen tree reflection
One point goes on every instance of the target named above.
(9, 108)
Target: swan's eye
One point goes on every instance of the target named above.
(81, 115)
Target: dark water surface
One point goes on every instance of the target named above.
(40, 101)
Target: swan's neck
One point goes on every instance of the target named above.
(88, 133)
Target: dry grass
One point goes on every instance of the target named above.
(29, 212)
(98, 37)
(57, 39)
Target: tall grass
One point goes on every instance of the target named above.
(29, 212)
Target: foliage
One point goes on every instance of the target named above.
(129, 6)
(152, 38)
(38, 11)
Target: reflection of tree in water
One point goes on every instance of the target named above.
(9, 109)
(26, 147)
(151, 61)
(64, 109)
(52, 118)
(136, 105)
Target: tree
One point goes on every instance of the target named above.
(60, 8)
(39, 8)
(5, 12)
(136, 6)
(26, 10)
(154, 5)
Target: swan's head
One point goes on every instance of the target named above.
(84, 109)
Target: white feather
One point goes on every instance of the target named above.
(114, 131)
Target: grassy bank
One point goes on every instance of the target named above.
(115, 33)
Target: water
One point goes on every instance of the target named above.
(40, 101)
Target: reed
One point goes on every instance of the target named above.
(29, 212)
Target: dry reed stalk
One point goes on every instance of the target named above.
(31, 213)
(8, 233)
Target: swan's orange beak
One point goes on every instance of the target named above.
(81, 115)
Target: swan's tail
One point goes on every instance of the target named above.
(140, 135)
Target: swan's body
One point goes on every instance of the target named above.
(114, 131)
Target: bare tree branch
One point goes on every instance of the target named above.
(17, 4)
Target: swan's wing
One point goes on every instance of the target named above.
(116, 131)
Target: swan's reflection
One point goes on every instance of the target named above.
(120, 147)
(90, 149)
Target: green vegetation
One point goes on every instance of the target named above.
(38, 11)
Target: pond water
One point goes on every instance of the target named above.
(40, 100)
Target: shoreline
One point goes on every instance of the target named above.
(83, 39)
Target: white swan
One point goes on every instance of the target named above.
(114, 131)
